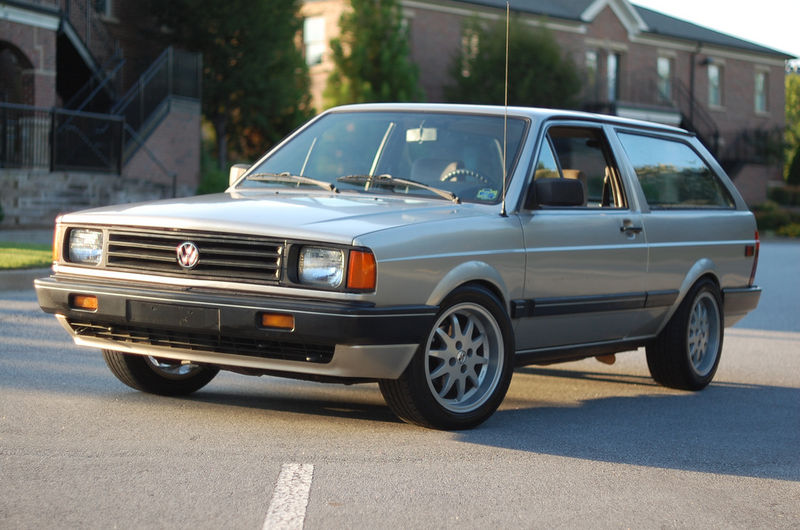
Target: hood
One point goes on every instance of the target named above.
(336, 218)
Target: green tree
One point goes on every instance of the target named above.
(792, 137)
(538, 74)
(372, 57)
(793, 173)
(255, 80)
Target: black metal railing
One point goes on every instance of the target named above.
(644, 88)
(59, 139)
(173, 73)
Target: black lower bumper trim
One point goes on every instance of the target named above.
(228, 344)
(214, 315)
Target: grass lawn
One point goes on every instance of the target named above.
(24, 256)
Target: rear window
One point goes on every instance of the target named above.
(672, 174)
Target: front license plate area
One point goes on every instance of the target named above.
(171, 316)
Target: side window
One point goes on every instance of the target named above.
(581, 153)
(673, 175)
(546, 167)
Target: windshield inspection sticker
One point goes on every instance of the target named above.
(486, 194)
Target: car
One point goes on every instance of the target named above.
(430, 248)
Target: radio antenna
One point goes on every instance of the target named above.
(505, 118)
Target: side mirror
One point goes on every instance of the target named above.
(237, 170)
(555, 192)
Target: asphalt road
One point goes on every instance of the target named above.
(578, 445)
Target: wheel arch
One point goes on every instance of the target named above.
(470, 273)
(702, 269)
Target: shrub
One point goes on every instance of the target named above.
(786, 195)
(212, 179)
(789, 230)
(770, 216)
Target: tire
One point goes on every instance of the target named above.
(154, 375)
(687, 352)
(460, 374)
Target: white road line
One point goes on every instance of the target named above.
(287, 511)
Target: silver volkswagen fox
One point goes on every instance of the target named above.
(430, 248)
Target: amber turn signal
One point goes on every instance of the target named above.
(361, 272)
(83, 301)
(277, 321)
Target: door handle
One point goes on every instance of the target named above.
(629, 228)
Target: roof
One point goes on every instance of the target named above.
(657, 23)
(662, 24)
(536, 113)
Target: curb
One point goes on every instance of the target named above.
(21, 279)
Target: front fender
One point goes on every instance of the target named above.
(468, 272)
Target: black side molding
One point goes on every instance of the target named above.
(526, 308)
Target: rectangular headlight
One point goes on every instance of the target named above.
(85, 246)
(319, 266)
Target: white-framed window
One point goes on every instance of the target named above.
(314, 39)
(760, 96)
(591, 61)
(664, 71)
(613, 62)
(714, 85)
(104, 8)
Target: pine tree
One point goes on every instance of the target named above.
(372, 56)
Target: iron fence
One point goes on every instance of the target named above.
(59, 140)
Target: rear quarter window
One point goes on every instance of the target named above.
(672, 174)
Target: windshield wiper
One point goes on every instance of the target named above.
(285, 176)
(389, 181)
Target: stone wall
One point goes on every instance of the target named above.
(33, 198)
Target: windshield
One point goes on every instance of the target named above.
(458, 156)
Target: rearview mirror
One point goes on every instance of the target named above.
(555, 192)
(421, 134)
(237, 170)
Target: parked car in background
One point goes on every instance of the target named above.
(430, 248)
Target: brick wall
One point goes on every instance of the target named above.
(38, 47)
(175, 142)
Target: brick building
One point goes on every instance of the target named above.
(94, 109)
(635, 62)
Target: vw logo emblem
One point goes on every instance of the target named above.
(188, 255)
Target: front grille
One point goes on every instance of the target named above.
(269, 349)
(220, 256)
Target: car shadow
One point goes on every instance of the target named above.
(728, 428)
(345, 408)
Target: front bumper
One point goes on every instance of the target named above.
(332, 339)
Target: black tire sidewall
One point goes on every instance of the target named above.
(416, 376)
(137, 372)
(696, 380)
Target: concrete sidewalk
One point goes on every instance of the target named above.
(40, 237)
(20, 279)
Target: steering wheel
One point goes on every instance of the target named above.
(457, 174)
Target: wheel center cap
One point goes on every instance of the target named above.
(462, 356)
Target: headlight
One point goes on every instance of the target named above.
(321, 266)
(85, 246)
